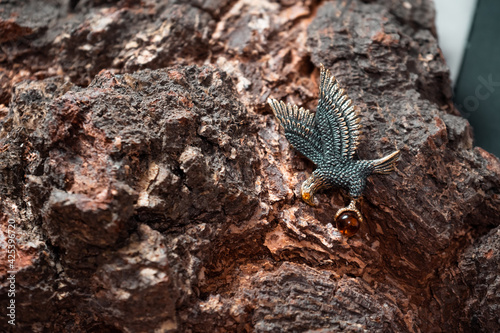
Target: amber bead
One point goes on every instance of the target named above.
(348, 223)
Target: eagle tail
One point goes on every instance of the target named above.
(386, 164)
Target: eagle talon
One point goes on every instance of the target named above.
(349, 219)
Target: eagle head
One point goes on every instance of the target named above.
(309, 188)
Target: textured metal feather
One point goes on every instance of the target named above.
(299, 125)
(336, 111)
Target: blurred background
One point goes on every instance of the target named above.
(469, 36)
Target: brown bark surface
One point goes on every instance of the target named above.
(153, 191)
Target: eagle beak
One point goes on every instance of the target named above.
(308, 197)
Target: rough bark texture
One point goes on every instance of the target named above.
(152, 189)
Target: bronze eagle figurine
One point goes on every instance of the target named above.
(329, 138)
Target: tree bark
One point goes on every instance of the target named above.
(152, 190)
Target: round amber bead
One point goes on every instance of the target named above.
(348, 223)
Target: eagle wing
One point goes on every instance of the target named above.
(337, 119)
(299, 125)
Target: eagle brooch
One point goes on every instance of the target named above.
(329, 139)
